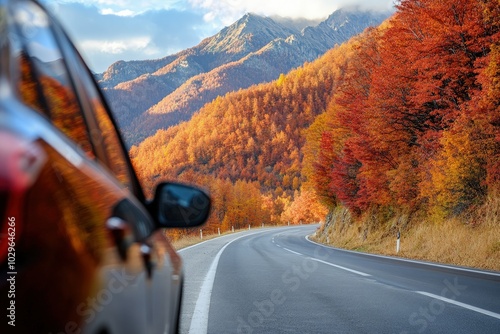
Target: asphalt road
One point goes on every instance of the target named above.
(277, 281)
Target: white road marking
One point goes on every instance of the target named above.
(444, 299)
(328, 263)
(291, 251)
(199, 321)
(209, 240)
(340, 267)
(406, 260)
(467, 306)
(195, 245)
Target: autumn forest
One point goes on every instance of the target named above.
(403, 119)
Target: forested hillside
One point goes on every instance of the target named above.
(253, 136)
(150, 95)
(402, 120)
(417, 123)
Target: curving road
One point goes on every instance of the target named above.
(277, 281)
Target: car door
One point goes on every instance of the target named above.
(95, 241)
(163, 265)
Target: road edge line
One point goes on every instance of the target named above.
(466, 306)
(199, 321)
(443, 266)
(228, 235)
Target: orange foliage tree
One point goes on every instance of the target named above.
(419, 101)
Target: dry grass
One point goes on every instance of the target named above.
(189, 241)
(471, 242)
(195, 239)
(456, 243)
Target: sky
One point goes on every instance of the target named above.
(106, 31)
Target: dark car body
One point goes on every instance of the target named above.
(81, 250)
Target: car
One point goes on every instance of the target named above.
(82, 248)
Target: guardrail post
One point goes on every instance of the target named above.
(201, 234)
(398, 242)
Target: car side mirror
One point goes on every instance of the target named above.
(178, 205)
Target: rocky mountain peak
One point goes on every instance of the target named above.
(154, 94)
(354, 16)
(251, 32)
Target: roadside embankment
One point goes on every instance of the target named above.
(472, 241)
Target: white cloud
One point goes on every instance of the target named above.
(130, 7)
(231, 10)
(116, 46)
(228, 11)
(104, 39)
(31, 19)
(125, 12)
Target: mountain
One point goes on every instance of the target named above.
(254, 134)
(150, 95)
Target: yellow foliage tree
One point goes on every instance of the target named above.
(456, 176)
(304, 209)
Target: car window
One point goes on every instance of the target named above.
(56, 83)
(45, 84)
(102, 129)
